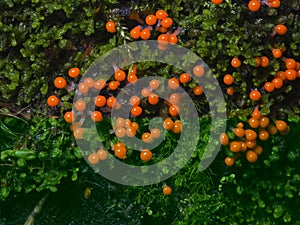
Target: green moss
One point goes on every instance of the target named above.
(41, 40)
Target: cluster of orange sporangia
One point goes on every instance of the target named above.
(60, 83)
(290, 70)
(247, 136)
(160, 22)
(228, 78)
(123, 127)
(104, 103)
(254, 5)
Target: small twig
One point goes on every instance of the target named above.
(21, 110)
(37, 209)
(9, 114)
(98, 185)
(6, 164)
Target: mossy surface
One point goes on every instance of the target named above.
(40, 41)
